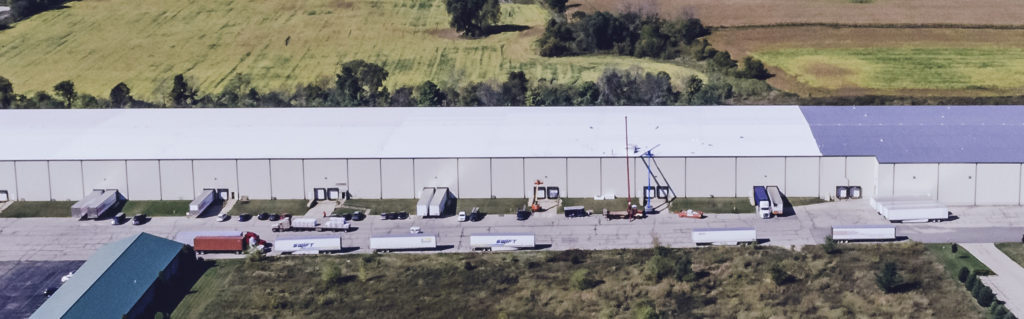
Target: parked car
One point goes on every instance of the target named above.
(275, 217)
(118, 219)
(244, 217)
(522, 215)
(476, 216)
(49, 291)
(462, 216)
(223, 217)
(347, 216)
(139, 219)
(357, 216)
(403, 215)
(392, 216)
(384, 216)
(415, 230)
(263, 216)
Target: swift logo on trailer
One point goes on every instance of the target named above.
(302, 245)
(505, 241)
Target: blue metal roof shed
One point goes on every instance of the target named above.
(920, 134)
(113, 280)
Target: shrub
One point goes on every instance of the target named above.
(985, 296)
(645, 310)
(953, 248)
(830, 246)
(964, 273)
(780, 277)
(976, 291)
(330, 275)
(582, 280)
(888, 279)
(657, 268)
(468, 265)
(256, 255)
(972, 281)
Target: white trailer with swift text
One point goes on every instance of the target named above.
(308, 245)
(724, 236)
(386, 243)
(505, 241)
(863, 233)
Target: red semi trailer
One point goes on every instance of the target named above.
(226, 244)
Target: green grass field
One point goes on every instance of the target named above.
(279, 43)
(727, 282)
(952, 262)
(156, 207)
(1014, 250)
(295, 207)
(893, 68)
(38, 209)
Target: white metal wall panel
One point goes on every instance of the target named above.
(474, 178)
(176, 180)
(916, 180)
(885, 180)
(801, 177)
(364, 178)
(66, 180)
(254, 179)
(583, 178)
(550, 171)
(674, 170)
(286, 179)
(144, 180)
(106, 175)
(613, 176)
(711, 176)
(831, 173)
(8, 182)
(437, 173)
(397, 178)
(33, 180)
(862, 171)
(507, 178)
(215, 174)
(325, 173)
(998, 184)
(957, 183)
(765, 171)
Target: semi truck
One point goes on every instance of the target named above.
(201, 203)
(227, 244)
(762, 203)
(308, 245)
(775, 196)
(311, 224)
(505, 241)
(386, 243)
(863, 233)
(724, 236)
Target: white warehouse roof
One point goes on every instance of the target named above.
(126, 134)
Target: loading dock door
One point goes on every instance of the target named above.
(333, 193)
(3, 196)
(223, 193)
(319, 193)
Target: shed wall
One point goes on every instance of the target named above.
(364, 178)
(998, 184)
(215, 174)
(957, 183)
(286, 179)
(397, 178)
(673, 170)
(885, 180)
(33, 180)
(801, 177)
(550, 171)
(507, 178)
(862, 171)
(324, 173)
(711, 176)
(8, 182)
(437, 173)
(106, 175)
(916, 180)
(66, 180)
(474, 178)
(254, 179)
(765, 171)
(176, 180)
(144, 180)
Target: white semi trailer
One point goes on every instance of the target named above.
(724, 236)
(423, 204)
(386, 243)
(863, 233)
(310, 224)
(201, 203)
(503, 241)
(308, 245)
(913, 211)
(80, 209)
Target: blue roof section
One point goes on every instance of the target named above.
(920, 134)
(113, 280)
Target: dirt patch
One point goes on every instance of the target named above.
(446, 33)
(739, 12)
(827, 70)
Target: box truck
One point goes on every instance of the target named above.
(724, 236)
(762, 204)
(505, 241)
(386, 243)
(775, 197)
(201, 203)
(863, 233)
(308, 245)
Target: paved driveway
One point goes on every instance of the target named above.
(1008, 283)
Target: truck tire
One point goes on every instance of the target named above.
(275, 230)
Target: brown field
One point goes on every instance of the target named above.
(765, 12)
(833, 77)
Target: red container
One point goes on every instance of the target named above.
(216, 244)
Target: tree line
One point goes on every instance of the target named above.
(361, 83)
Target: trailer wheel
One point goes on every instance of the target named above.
(275, 230)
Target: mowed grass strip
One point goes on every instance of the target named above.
(952, 262)
(296, 207)
(280, 44)
(38, 209)
(156, 207)
(1014, 250)
(727, 281)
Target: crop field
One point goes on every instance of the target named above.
(851, 61)
(278, 43)
(761, 12)
(735, 282)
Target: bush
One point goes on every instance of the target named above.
(953, 248)
(330, 275)
(888, 279)
(657, 268)
(964, 273)
(645, 310)
(985, 296)
(976, 291)
(830, 246)
(582, 280)
(256, 255)
(972, 281)
(780, 277)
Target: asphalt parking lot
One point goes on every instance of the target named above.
(22, 284)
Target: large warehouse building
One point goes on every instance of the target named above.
(963, 155)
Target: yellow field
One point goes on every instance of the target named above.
(280, 43)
